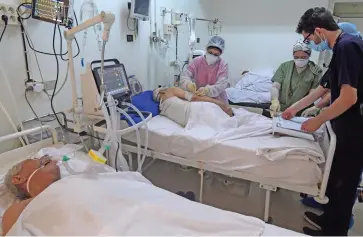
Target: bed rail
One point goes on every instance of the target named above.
(30, 131)
(322, 198)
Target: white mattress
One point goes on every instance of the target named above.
(235, 155)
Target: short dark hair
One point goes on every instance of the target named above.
(317, 17)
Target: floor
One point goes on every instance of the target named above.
(238, 196)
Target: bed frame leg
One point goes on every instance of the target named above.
(201, 173)
(129, 156)
(269, 189)
(266, 216)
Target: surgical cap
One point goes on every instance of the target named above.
(349, 28)
(301, 46)
(217, 42)
(156, 92)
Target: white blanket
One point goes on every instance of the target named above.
(248, 96)
(208, 126)
(125, 204)
(254, 87)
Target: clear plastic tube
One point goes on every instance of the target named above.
(146, 134)
(72, 171)
(103, 61)
(137, 133)
(108, 137)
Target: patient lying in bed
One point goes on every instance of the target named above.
(30, 177)
(26, 180)
(175, 104)
(108, 204)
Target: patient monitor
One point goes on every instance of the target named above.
(115, 80)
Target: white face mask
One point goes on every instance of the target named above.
(300, 63)
(211, 59)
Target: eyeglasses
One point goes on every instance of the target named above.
(306, 40)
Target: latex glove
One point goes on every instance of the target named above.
(203, 91)
(191, 87)
(275, 105)
(289, 113)
(310, 112)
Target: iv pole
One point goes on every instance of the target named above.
(107, 19)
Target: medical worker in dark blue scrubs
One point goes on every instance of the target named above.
(346, 85)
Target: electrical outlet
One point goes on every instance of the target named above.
(10, 11)
(173, 63)
(49, 85)
(198, 40)
(35, 86)
(130, 38)
(168, 29)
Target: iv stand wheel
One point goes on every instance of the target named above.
(323, 201)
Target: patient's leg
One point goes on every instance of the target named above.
(226, 108)
(191, 97)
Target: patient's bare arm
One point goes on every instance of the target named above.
(12, 214)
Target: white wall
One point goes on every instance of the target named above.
(140, 58)
(258, 33)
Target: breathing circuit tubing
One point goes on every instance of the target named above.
(141, 162)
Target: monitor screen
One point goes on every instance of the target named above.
(115, 80)
(142, 7)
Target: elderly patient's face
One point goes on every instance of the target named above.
(46, 173)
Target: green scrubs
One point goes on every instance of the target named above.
(294, 85)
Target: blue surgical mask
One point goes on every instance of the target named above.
(323, 46)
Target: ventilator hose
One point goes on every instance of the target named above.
(137, 133)
(146, 134)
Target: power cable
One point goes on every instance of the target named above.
(5, 20)
(118, 148)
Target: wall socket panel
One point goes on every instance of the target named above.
(49, 85)
(168, 29)
(10, 11)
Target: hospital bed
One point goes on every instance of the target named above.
(8, 159)
(239, 159)
(252, 90)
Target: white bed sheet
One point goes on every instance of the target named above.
(128, 210)
(235, 155)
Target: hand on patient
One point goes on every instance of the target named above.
(275, 105)
(313, 111)
(203, 91)
(192, 87)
